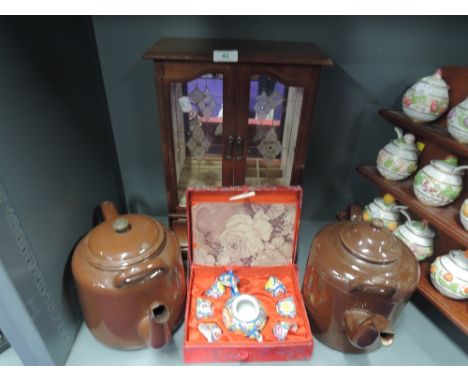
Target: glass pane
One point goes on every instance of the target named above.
(197, 121)
(274, 114)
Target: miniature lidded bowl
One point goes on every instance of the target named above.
(427, 99)
(457, 121)
(440, 182)
(399, 158)
(449, 274)
(417, 236)
(385, 209)
(464, 214)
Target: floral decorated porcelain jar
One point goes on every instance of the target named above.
(385, 209)
(440, 182)
(449, 274)
(464, 214)
(417, 236)
(399, 158)
(245, 314)
(457, 122)
(427, 99)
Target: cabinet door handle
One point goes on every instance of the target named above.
(229, 147)
(240, 148)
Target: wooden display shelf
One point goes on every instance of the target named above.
(445, 219)
(436, 133)
(455, 310)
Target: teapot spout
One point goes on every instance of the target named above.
(154, 328)
(366, 330)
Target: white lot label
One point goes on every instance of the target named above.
(225, 56)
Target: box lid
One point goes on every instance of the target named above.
(246, 226)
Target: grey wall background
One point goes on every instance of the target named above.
(57, 162)
(376, 59)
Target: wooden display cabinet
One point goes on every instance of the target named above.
(450, 234)
(245, 120)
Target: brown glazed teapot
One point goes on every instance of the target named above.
(358, 278)
(130, 280)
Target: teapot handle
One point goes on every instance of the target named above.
(460, 169)
(406, 214)
(399, 208)
(358, 286)
(126, 278)
(109, 211)
(398, 131)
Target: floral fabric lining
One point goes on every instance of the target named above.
(246, 234)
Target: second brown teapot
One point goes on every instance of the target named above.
(358, 279)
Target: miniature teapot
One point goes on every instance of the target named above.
(358, 278)
(457, 122)
(245, 314)
(130, 280)
(399, 158)
(384, 208)
(449, 274)
(440, 182)
(417, 236)
(427, 99)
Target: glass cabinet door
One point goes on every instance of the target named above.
(197, 128)
(273, 123)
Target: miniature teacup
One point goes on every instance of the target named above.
(275, 286)
(286, 307)
(204, 308)
(282, 328)
(210, 331)
(216, 290)
(449, 274)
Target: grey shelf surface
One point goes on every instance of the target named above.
(423, 337)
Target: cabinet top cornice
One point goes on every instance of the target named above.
(250, 51)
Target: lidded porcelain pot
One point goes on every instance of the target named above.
(130, 280)
(457, 122)
(399, 158)
(449, 274)
(440, 182)
(358, 278)
(417, 236)
(427, 99)
(385, 209)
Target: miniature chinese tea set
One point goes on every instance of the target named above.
(243, 313)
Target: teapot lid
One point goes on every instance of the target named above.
(386, 203)
(420, 228)
(436, 79)
(447, 165)
(460, 258)
(126, 240)
(406, 142)
(371, 242)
